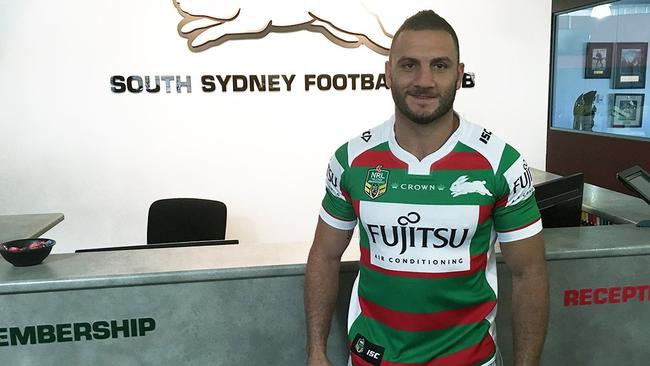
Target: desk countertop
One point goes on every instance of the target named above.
(616, 207)
(177, 265)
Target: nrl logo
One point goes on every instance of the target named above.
(349, 24)
(462, 186)
(376, 182)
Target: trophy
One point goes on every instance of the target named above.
(584, 111)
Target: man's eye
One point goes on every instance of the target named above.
(441, 66)
(408, 65)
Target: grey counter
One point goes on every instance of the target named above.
(213, 263)
(616, 207)
(241, 305)
(228, 305)
(158, 266)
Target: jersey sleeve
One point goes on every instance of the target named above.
(336, 209)
(516, 215)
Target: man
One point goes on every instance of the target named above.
(431, 192)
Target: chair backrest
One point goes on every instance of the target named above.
(186, 219)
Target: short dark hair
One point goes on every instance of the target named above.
(428, 20)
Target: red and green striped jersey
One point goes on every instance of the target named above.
(426, 293)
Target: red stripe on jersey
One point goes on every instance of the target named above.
(519, 228)
(477, 263)
(469, 356)
(346, 195)
(484, 213)
(358, 361)
(385, 158)
(422, 322)
(502, 202)
(355, 207)
(462, 161)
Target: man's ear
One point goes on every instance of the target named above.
(460, 76)
(387, 72)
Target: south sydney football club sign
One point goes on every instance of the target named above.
(376, 182)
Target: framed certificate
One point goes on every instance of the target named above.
(630, 65)
(598, 60)
(627, 110)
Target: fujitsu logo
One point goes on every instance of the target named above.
(525, 181)
(407, 235)
(350, 24)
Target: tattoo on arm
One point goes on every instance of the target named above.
(349, 235)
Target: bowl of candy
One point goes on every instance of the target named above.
(26, 252)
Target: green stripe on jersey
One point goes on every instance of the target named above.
(460, 147)
(419, 347)
(424, 295)
(337, 207)
(481, 241)
(429, 189)
(509, 156)
(342, 156)
(527, 212)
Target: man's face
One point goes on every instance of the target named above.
(423, 73)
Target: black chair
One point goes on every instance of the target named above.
(186, 219)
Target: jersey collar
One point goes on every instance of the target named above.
(423, 167)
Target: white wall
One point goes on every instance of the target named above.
(68, 144)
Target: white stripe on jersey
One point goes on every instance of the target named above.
(492, 149)
(354, 309)
(333, 178)
(523, 233)
(423, 167)
(368, 140)
(336, 223)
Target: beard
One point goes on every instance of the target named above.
(445, 103)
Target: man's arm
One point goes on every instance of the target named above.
(525, 258)
(321, 287)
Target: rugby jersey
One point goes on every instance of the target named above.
(426, 293)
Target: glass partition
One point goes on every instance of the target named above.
(600, 57)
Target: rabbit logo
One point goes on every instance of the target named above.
(210, 23)
(462, 186)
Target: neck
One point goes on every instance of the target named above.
(423, 140)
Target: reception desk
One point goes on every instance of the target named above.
(242, 304)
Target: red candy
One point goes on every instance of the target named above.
(36, 244)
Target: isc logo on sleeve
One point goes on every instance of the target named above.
(368, 351)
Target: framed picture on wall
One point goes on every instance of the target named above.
(627, 110)
(598, 60)
(630, 65)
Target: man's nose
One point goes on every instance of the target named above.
(425, 77)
